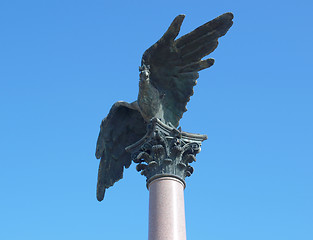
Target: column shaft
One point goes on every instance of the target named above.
(166, 209)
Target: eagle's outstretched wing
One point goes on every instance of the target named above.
(122, 127)
(174, 64)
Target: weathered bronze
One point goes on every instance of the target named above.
(168, 73)
(165, 152)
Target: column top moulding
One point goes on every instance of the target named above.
(165, 152)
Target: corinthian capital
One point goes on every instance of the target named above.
(165, 151)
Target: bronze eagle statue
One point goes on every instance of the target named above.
(168, 73)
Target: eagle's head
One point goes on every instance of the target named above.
(144, 72)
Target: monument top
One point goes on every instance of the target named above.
(168, 73)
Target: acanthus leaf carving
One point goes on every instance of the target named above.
(165, 151)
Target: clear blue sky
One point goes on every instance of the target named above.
(64, 63)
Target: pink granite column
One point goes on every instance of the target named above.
(166, 209)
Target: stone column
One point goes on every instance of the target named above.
(163, 155)
(166, 209)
